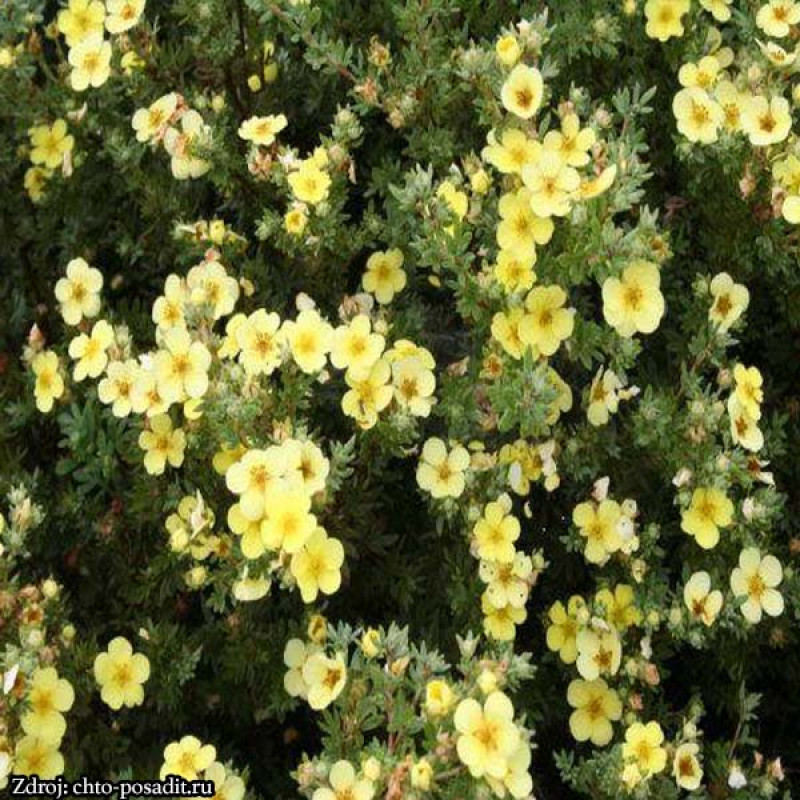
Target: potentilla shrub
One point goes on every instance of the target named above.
(401, 398)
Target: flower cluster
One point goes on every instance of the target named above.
(458, 728)
(83, 24)
(726, 95)
(190, 759)
(182, 132)
(422, 283)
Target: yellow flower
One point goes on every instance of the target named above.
(325, 678)
(552, 184)
(708, 511)
(8, 57)
(310, 466)
(162, 444)
(370, 643)
(703, 74)
(634, 303)
(79, 292)
(441, 473)
(508, 583)
(776, 17)
(344, 785)
(517, 780)
(295, 655)
(414, 385)
(151, 123)
(368, 394)
(480, 181)
(776, 55)
(226, 457)
(748, 391)
(457, 202)
(599, 653)
(603, 397)
(596, 707)
(572, 143)
(121, 673)
(288, 523)
(49, 698)
(309, 338)
(187, 758)
(80, 19)
(512, 152)
(226, 787)
(145, 397)
(91, 351)
(34, 756)
(49, 144)
(262, 130)
(319, 158)
(703, 603)
(259, 342)
(787, 173)
(116, 389)
(310, 184)
(699, 117)
(487, 736)
(500, 621)
(730, 300)
(181, 367)
(600, 526)
(619, 605)
(664, 18)
(720, 9)
(508, 50)
(562, 633)
(130, 62)
(522, 91)
(563, 400)
(421, 775)
(733, 102)
(594, 187)
(755, 580)
(355, 348)
(253, 478)
(385, 276)
(210, 285)
(317, 566)
(643, 747)
(184, 144)
(123, 14)
(35, 181)
(439, 698)
(513, 273)
(168, 310)
(767, 121)
(520, 230)
(744, 428)
(546, 323)
(90, 60)
(49, 383)
(686, 767)
(193, 409)
(496, 531)
(403, 348)
(189, 526)
(251, 541)
(295, 221)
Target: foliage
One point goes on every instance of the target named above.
(381, 374)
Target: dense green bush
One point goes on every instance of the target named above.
(370, 367)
